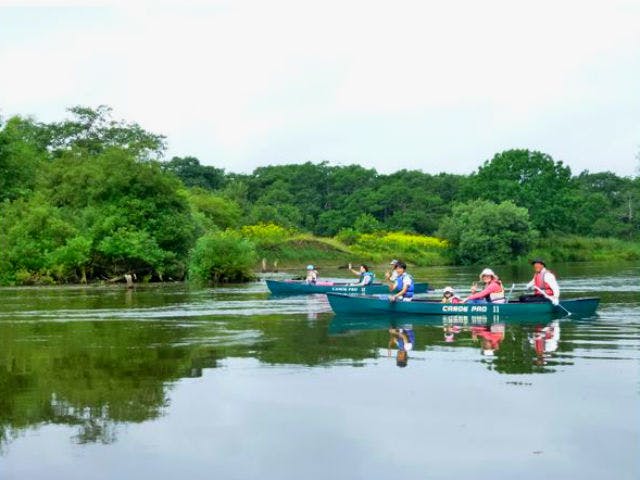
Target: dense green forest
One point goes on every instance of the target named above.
(90, 197)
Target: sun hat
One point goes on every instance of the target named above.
(310, 267)
(538, 260)
(487, 271)
(448, 290)
(393, 262)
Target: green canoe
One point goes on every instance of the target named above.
(298, 287)
(375, 305)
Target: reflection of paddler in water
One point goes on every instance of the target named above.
(545, 340)
(404, 339)
(450, 332)
(490, 337)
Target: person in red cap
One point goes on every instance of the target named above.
(544, 283)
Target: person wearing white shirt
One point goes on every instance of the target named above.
(544, 284)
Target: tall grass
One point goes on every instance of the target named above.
(416, 249)
(582, 249)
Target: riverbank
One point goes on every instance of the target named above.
(275, 248)
(374, 248)
(426, 251)
(571, 248)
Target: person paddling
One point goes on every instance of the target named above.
(366, 277)
(403, 286)
(392, 273)
(493, 291)
(545, 285)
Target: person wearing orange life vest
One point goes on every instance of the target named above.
(493, 291)
(544, 280)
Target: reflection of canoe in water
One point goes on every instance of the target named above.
(349, 322)
(374, 305)
(298, 287)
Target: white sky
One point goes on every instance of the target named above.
(434, 85)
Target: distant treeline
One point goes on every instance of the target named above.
(90, 197)
(324, 199)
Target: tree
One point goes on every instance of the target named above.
(488, 233)
(94, 131)
(529, 179)
(192, 174)
(216, 211)
(21, 153)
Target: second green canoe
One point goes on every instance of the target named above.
(297, 287)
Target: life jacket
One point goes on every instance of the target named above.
(370, 275)
(451, 299)
(497, 297)
(400, 282)
(538, 281)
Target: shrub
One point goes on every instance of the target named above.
(348, 236)
(222, 257)
(266, 234)
(367, 223)
(488, 233)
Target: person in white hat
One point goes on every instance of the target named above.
(449, 296)
(493, 291)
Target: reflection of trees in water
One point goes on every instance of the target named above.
(96, 376)
(95, 424)
(91, 375)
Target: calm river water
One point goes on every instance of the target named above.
(167, 382)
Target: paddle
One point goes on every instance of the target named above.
(544, 294)
(510, 292)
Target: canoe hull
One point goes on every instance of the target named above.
(371, 305)
(278, 287)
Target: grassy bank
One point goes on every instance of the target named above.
(292, 249)
(582, 249)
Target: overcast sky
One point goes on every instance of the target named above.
(439, 86)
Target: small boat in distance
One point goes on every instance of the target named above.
(380, 305)
(300, 287)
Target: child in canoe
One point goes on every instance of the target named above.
(312, 275)
(449, 296)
